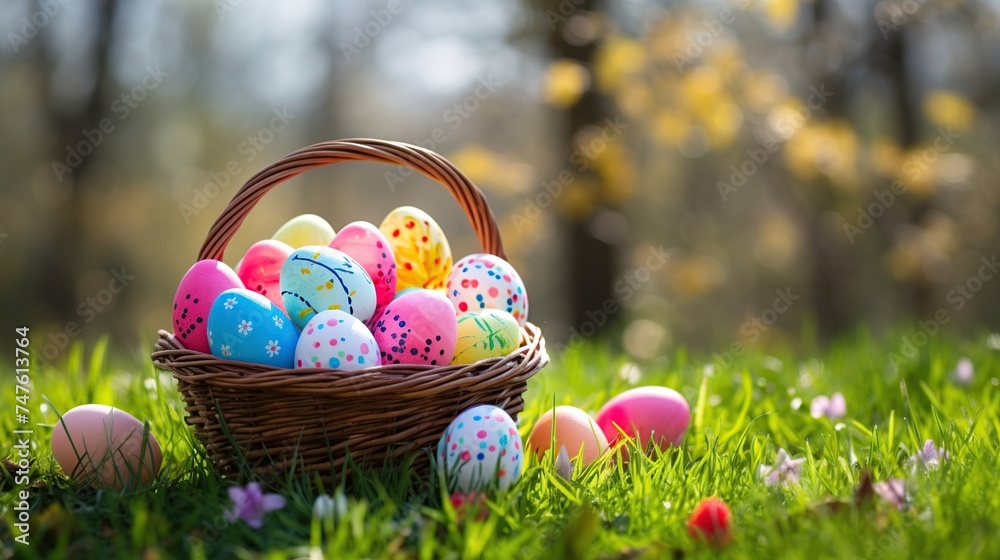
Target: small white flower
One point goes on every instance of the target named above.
(210, 339)
(245, 327)
(226, 350)
(785, 471)
(326, 506)
(564, 467)
(229, 303)
(272, 348)
(278, 322)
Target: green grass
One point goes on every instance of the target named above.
(741, 415)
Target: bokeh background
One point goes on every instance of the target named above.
(841, 152)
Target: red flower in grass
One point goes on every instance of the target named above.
(469, 504)
(710, 522)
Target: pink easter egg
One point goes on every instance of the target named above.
(649, 414)
(364, 243)
(202, 283)
(419, 328)
(260, 269)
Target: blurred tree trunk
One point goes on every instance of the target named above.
(59, 266)
(592, 262)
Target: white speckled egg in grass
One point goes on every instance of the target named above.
(245, 326)
(481, 447)
(483, 281)
(338, 340)
(315, 279)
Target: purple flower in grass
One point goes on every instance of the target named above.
(251, 504)
(784, 472)
(832, 407)
(964, 372)
(892, 491)
(929, 457)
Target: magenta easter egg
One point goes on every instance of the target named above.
(650, 414)
(260, 269)
(195, 295)
(419, 328)
(364, 243)
(483, 281)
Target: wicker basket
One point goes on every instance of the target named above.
(308, 421)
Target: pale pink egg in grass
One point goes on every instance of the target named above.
(105, 447)
(657, 415)
(570, 428)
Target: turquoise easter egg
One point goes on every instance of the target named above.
(245, 326)
(316, 278)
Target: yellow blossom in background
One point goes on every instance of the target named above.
(617, 59)
(669, 126)
(830, 149)
(885, 157)
(763, 89)
(945, 108)
(777, 242)
(635, 98)
(918, 169)
(617, 172)
(565, 81)
(696, 275)
(489, 169)
(781, 14)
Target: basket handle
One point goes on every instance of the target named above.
(469, 197)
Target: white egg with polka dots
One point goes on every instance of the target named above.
(336, 339)
(481, 448)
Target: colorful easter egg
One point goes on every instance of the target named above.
(423, 257)
(484, 281)
(338, 340)
(307, 229)
(571, 428)
(315, 279)
(419, 328)
(106, 447)
(490, 333)
(364, 243)
(649, 414)
(245, 326)
(260, 269)
(481, 447)
(202, 283)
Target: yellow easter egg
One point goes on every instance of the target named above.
(307, 229)
(423, 257)
(490, 333)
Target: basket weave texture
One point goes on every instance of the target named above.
(308, 420)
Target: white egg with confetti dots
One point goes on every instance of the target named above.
(483, 281)
(481, 448)
(338, 340)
